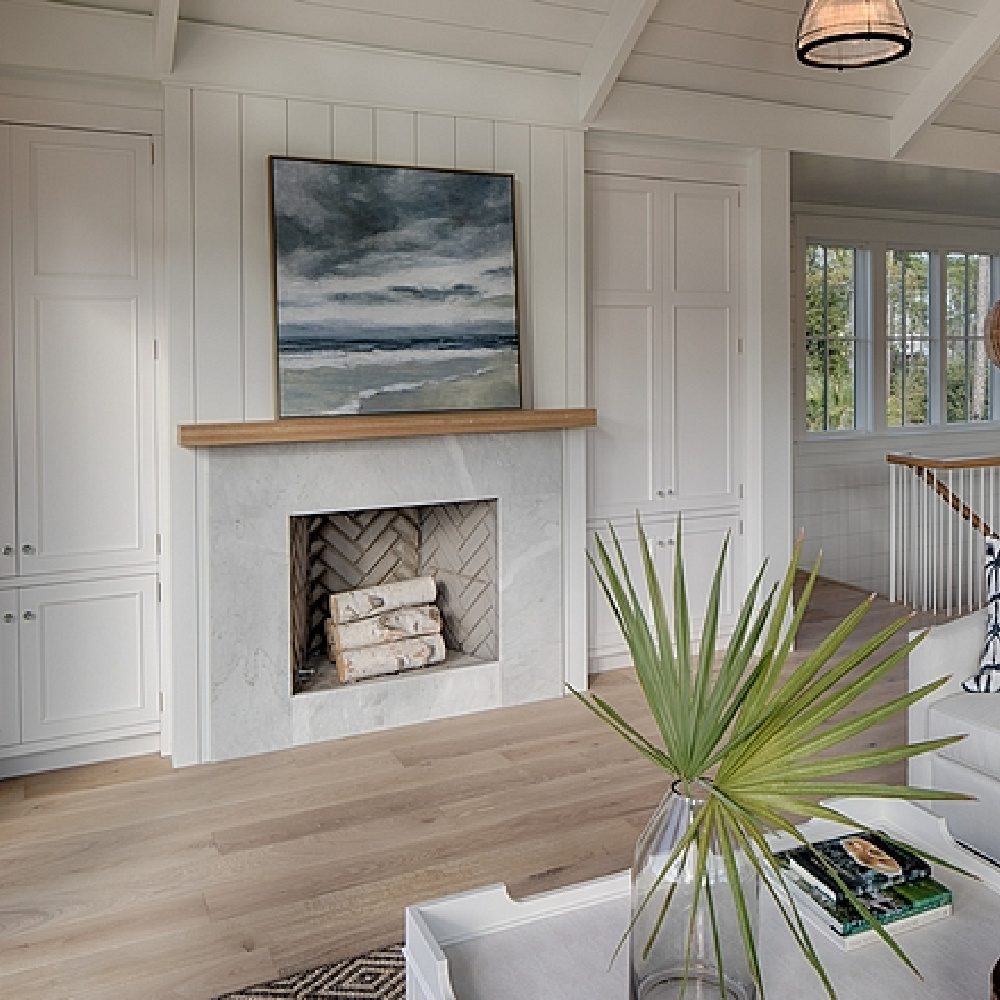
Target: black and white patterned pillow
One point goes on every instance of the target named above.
(987, 679)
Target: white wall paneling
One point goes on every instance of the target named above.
(217, 212)
(354, 133)
(513, 155)
(8, 526)
(264, 130)
(180, 564)
(548, 266)
(474, 144)
(435, 141)
(395, 137)
(310, 130)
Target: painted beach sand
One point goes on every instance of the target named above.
(396, 290)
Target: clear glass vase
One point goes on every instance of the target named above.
(670, 971)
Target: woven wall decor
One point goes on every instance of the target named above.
(991, 332)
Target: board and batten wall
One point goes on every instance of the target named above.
(221, 340)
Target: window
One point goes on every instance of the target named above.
(967, 387)
(908, 337)
(831, 338)
(892, 325)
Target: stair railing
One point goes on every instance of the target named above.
(941, 511)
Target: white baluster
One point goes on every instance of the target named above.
(892, 533)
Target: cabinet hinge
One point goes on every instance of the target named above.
(158, 541)
(156, 350)
(159, 592)
(152, 153)
(161, 702)
(739, 346)
(740, 494)
(741, 526)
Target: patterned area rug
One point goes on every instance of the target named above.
(378, 975)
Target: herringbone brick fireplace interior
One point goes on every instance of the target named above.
(334, 551)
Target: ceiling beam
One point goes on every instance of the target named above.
(944, 80)
(165, 36)
(608, 54)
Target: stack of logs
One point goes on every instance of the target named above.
(385, 629)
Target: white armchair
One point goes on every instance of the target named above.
(973, 765)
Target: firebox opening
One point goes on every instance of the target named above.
(336, 551)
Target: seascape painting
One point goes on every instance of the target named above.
(395, 289)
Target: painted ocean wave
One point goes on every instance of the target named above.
(343, 359)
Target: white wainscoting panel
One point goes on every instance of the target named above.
(264, 131)
(217, 256)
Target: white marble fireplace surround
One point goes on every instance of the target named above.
(251, 491)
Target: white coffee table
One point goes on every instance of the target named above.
(481, 945)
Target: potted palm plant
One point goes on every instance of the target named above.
(750, 741)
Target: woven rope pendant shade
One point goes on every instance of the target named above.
(991, 332)
(847, 34)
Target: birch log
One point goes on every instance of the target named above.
(353, 605)
(390, 626)
(389, 657)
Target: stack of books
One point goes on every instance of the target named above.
(892, 882)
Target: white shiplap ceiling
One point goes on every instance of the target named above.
(735, 48)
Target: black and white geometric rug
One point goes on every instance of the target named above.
(377, 975)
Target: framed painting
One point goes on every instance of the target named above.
(395, 289)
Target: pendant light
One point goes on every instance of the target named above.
(846, 34)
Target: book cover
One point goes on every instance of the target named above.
(865, 862)
(901, 907)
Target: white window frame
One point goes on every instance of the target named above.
(871, 237)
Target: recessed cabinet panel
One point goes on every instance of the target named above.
(622, 217)
(87, 654)
(84, 201)
(10, 696)
(605, 635)
(702, 242)
(623, 443)
(82, 287)
(701, 542)
(704, 401)
(82, 486)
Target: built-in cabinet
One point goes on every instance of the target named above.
(78, 585)
(666, 380)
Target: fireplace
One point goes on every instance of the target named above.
(252, 493)
(335, 551)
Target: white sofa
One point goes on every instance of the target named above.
(972, 765)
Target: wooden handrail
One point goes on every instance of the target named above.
(922, 468)
(916, 463)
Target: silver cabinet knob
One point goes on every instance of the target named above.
(28, 550)
(8, 619)
(661, 543)
(8, 550)
(29, 616)
(661, 493)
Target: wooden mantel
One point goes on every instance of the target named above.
(307, 429)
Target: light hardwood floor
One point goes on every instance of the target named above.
(131, 881)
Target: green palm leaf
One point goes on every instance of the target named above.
(760, 736)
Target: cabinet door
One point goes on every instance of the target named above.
(8, 535)
(702, 376)
(10, 696)
(83, 331)
(701, 542)
(88, 657)
(628, 467)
